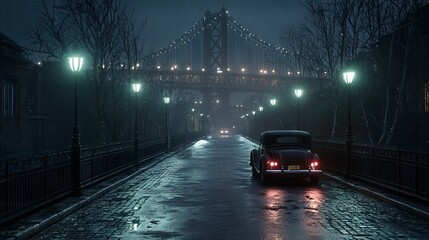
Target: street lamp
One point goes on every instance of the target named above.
(261, 109)
(76, 63)
(186, 124)
(298, 94)
(201, 122)
(167, 132)
(193, 125)
(273, 101)
(136, 89)
(348, 78)
(251, 122)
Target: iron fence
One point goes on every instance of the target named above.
(30, 183)
(403, 171)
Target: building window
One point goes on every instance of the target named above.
(8, 98)
(427, 97)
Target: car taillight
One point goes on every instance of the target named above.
(314, 165)
(273, 164)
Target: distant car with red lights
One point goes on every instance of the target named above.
(285, 153)
(224, 131)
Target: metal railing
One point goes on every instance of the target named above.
(403, 171)
(30, 183)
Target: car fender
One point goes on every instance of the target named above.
(263, 160)
(253, 156)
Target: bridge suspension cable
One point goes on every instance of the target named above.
(185, 38)
(246, 50)
(256, 39)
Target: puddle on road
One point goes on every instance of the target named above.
(135, 223)
(160, 234)
(156, 222)
(277, 206)
(312, 208)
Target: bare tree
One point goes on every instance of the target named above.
(52, 36)
(321, 29)
(106, 31)
(384, 22)
(339, 34)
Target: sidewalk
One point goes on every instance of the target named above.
(406, 203)
(29, 226)
(32, 224)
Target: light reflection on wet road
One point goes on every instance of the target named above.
(207, 192)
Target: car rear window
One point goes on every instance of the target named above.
(288, 139)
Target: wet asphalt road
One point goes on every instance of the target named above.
(207, 192)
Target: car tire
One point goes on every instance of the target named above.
(255, 173)
(314, 180)
(264, 177)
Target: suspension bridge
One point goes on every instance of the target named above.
(220, 54)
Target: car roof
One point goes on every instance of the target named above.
(267, 136)
(286, 132)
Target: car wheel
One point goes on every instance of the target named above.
(314, 180)
(254, 172)
(264, 177)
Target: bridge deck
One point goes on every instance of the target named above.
(187, 196)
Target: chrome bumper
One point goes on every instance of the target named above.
(293, 172)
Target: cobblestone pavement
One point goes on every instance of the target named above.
(206, 192)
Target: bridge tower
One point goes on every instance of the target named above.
(215, 44)
(215, 55)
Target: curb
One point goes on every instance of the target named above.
(380, 196)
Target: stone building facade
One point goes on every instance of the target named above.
(21, 122)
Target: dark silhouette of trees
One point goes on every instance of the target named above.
(112, 42)
(376, 38)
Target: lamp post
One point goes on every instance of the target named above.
(186, 124)
(348, 78)
(273, 102)
(298, 94)
(167, 129)
(136, 89)
(193, 121)
(252, 123)
(76, 63)
(201, 122)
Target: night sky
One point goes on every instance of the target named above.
(168, 19)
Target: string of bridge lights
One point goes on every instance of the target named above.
(255, 39)
(185, 38)
(198, 27)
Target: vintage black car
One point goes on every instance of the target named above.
(285, 153)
